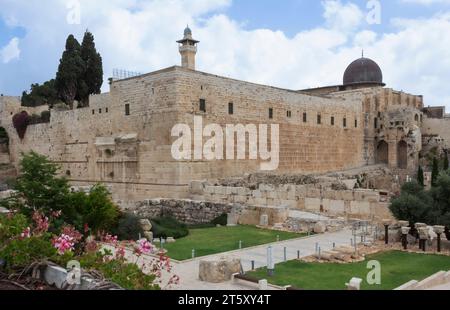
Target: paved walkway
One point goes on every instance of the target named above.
(188, 271)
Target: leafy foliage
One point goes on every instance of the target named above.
(96, 209)
(168, 227)
(41, 95)
(21, 121)
(39, 186)
(93, 75)
(127, 275)
(20, 253)
(70, 71)
(415, 204)
(446, 164)
(4, 138)
(435, 171)
(129, 227)
(420, 176)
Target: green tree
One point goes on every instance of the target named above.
(95, 209)
(70, 72)
(420, 176)
(446, 164)
(39, 186)
(93, 75)
(413, 205)
(41, 95)
(435, 171)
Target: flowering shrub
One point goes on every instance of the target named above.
(21, 121)
(23, 244)
(63, 244)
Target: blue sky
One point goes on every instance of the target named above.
(288, 43)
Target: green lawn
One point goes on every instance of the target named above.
(215, 240)
(397, 268)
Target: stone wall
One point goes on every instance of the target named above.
(438, 127)
(315, 198)
(132, 153)
(187, 211)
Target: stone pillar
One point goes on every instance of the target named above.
(386, 224)
(405, 232)
(439, 230)
(423, 237)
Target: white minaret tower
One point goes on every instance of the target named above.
(188, 49)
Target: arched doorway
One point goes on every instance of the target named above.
(382, 155)
(402, 155)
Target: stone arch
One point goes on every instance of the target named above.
(382, 154)
(416, 118)
(402, 155)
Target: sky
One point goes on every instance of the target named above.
(293, 44)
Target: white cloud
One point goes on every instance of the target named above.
(11, 51)
(140, 36)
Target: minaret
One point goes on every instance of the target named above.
(188, 49)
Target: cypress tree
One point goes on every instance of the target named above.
(420, 176)
(93, 76)
(446, 164)
(70, 71)
(435, 172)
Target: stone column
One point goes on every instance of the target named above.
(405, 232)
(386, 224)
(439, 230)
(423, 237)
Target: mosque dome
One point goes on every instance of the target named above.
(363, 71)
(187, 31)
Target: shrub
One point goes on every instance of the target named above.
(220, 220)
(168, 227)
(11, 226)
(4, 138)
(45, 116)
(129, 227)
(21, 121)
(21, 253)
(97, 209)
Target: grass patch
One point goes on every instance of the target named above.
(397, 268)
(207, 241)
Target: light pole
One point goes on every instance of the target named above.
(270, 262)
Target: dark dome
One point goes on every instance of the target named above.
(362, 71)
(187, 31)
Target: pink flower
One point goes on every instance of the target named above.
(71, 231)
(144, 246)
(41, 222)
(63, 244)
(86, 228)
(26, 233)
(56, 214)
(120, 254)
(110, 239)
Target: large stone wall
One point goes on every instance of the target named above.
(132, 153)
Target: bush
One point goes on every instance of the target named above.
(11, 226)
(21, 253)
(129, 227)
(97, 209)
(221, 220)
(168, 227)
(21, 121)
